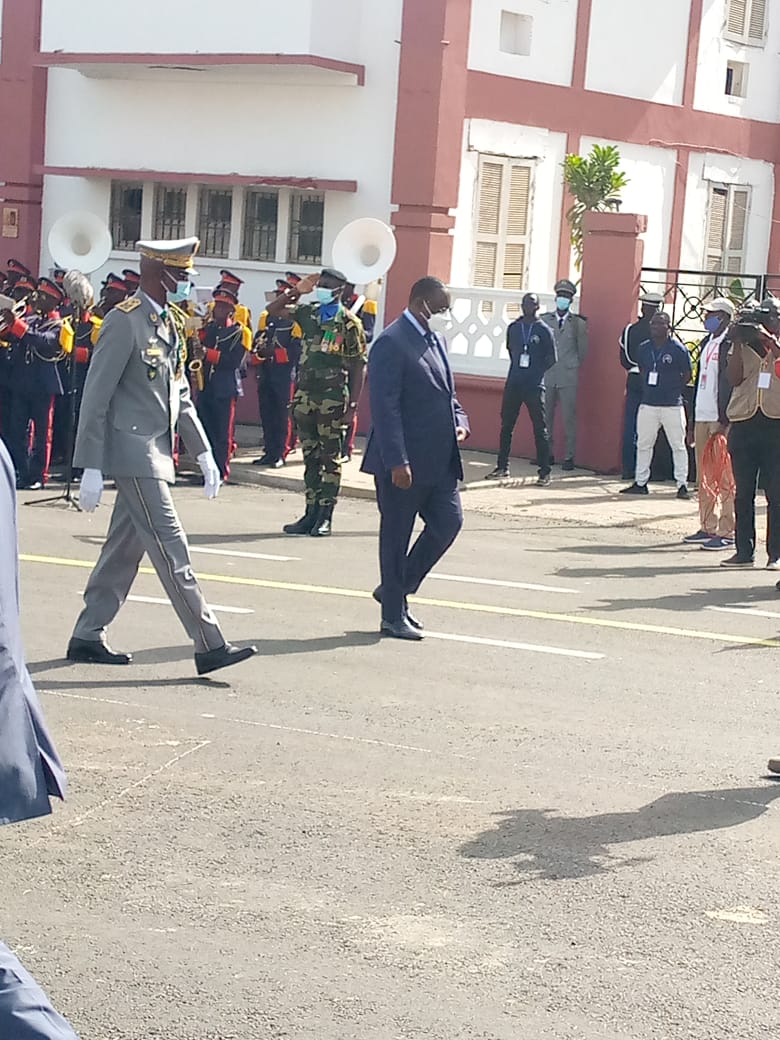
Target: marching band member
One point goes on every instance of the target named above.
(278, 346)
(113, 290)
(233, 284)
(132, 280)
(14, 271)
(38, 342)
(224, 343)
(18, 286)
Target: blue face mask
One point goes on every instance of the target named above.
(712, 323)
(325, 296)
(562, 303)
(181, 293)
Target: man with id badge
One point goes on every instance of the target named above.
(665, 366)
(531, 348)
(754, 434)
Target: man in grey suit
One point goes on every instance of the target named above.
(570, 332)
(135, 394)
(30, 773)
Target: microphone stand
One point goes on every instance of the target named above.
(66, 497)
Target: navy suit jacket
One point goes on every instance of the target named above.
(30, 769)
(414, 409)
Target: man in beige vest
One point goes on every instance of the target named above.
(754, 435)
(570, 332)
(135, 395)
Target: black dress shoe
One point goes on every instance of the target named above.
(222, 657)
(264, 460)
(401, 630)
(92, 651)
(567, 465)
(413, 621)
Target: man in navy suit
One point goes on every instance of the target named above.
(413, 450)
(30, 773)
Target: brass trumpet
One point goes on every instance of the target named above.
(18, 308)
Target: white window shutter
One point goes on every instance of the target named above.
(756, 23)
(716, 228)
(503, 217)
(736, 16)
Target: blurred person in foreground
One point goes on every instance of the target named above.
(30, 773)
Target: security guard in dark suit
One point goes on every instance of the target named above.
(38, 342)
(30, 774)
(278, 346)
(633, 337)
(224, 346)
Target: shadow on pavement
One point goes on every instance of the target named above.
(543, 845)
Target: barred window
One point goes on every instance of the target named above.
(306, 223)
(170, 209)
(215, 212)
(261, 218)
(125, 218)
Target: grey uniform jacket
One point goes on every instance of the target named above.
(571, 344)
(133, 400)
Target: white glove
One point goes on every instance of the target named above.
(208, 468)
(90, 490)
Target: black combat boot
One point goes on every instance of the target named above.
(306, 523)
(322, 525)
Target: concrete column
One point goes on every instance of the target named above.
(23, 119)
(432, 84)
(611, 275)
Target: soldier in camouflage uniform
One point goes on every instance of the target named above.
(330, 379)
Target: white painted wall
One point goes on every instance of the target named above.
(200, 26)
(650, 191)
(552, 44)
(763, 90)
(243, 127)
(707, 169)
(639, 54)
(546, 150)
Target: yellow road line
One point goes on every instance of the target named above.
(478, 608)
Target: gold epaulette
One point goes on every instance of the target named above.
(262, 322)
(296, 331)
(246, 338)
(370, 307)
(97, 324)
(127, 306)
(67, 335)
(353, 318)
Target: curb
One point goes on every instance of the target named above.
(243, 475)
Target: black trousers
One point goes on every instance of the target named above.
(754, 445)
(38, 409)
(5, 409)
(218, 415)
(273, 398)
(403, 571)
(515, 396)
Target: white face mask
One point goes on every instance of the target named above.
(439, 323)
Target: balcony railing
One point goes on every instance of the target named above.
(480, 317)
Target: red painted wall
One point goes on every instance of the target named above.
(23, 119)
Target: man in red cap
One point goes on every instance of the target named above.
(112, 292)
(224, 346)
(38, 341)
(15, 271)
(233, 284)
(278, 353)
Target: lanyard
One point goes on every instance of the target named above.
(526, 337)
(711, 352)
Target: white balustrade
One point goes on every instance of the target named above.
(480, 317)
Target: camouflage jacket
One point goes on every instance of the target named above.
(329, 347)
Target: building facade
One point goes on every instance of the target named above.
(265, 134)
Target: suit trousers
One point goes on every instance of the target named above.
(218, 416)
(568, 398)
(33, 466)
(145, 520)
(273, 397)
(649, 421)
(515, 396)
(25, 1010)
(754, 445)
(403, 571)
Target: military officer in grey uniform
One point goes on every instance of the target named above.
(135, 394)
(570, 332)
(30, 773)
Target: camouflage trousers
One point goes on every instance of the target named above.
(321, 430)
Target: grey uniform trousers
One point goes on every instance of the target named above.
(25, 1011)
(145, 520)
(568, 399)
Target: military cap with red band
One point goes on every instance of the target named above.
(224, 295)
(232, 281)
(25, 281)
(17, 267)
(113, 281)
(46, 285)
(132, 278)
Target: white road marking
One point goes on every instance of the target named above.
(159, 601)
(748, 611)
(239, 555)
(214, 606)
(506, 644)
(501, 584)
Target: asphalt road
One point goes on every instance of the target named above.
(547, 821)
